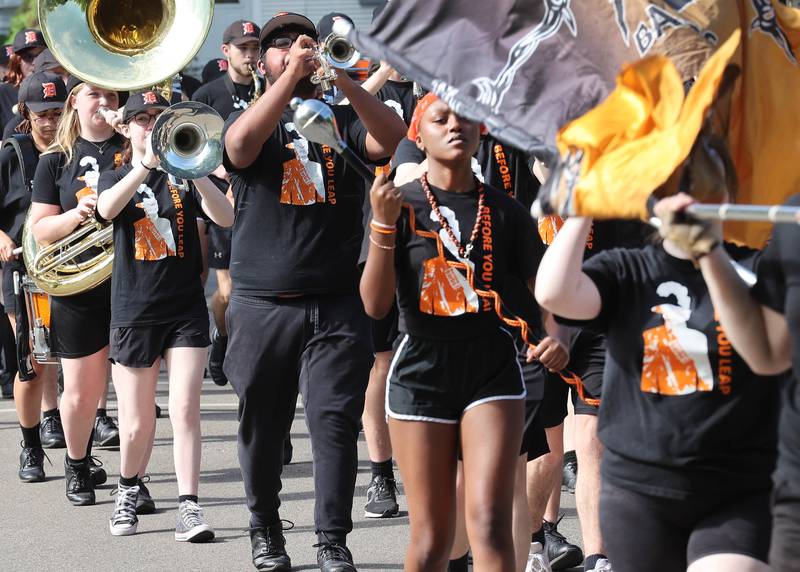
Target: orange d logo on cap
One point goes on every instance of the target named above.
(49, 89)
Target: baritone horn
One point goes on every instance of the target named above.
(334, 52)
(187, 139)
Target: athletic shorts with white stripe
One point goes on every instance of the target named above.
(439, 380)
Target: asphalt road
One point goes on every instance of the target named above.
(40, 530)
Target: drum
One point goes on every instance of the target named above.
(37, 307)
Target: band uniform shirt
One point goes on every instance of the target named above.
(62, 183)
(435, 298)
(225, 95)
(682, 414)
(298, 206)
(399, 95)
(778, 287)
(15, 198)
(157, 257)
(9, 97)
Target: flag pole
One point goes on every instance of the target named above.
(747, 213)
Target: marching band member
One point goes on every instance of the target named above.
(454, 376)
(27, 45)
(295, 319)
(64, 197)
(688, 429)
(158, 310)
(41, 99)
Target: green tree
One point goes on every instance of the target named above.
(26, 16)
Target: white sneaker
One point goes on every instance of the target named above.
(124, 521)
(537, 559)
(602, 565)
(191, 526)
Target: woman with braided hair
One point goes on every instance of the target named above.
(445, 244)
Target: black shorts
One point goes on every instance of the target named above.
(384, 331)
(219, 247)
(640, 529)
(79, 324)
(534, 439)
(139, 346)
(587, 360)
(9, 300)
(438, 381)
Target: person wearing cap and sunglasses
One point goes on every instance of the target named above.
(232, 90)
(64, 196)
(295, 320)
(158, 310)
(27, 45)
(41, 99)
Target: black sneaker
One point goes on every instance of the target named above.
(569, 475)
(145, 503)
(31, 464)
(106, 432)
(78, 479)
(381, 498)
(96, 470)
(333, 557)
(51, 433)
(216, 357)
(269, 549)
(560, 552)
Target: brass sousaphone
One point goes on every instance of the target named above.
(122, 45)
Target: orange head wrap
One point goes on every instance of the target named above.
(422, 105)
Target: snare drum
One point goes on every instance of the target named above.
(37, 306)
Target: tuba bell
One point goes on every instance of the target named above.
(187, 139)
(121, 45)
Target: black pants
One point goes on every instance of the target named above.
(640, 530)
(321, 346)
(784, 553)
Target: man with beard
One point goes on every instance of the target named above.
(295, 319)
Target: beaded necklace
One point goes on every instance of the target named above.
(463, 251)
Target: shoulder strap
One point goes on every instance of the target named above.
(26, 155)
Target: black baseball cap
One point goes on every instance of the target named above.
(213, 69)
(28, 38)
(74, 81)
(143, 101)
(325, 24)
(240, 32)
(41, 91)
(46, 61)
(287, 20)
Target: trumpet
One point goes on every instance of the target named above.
(187, 139)
(334, 52)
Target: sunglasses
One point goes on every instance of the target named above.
(283, 42)
(52, 115)
(144, 119)
(26, 56)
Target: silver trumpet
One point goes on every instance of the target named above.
(334, 52)
(316, 122)
(187, 139)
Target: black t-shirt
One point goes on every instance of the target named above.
(225, 95)
(62, 183)
(15, 197)
(682, 415)
(778, 288)
(157, 258)
(436, 299)
(399, 95)
(298, 225)
(9, 97)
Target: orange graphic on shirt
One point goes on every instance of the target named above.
(549, 227)
(85, 191)
(675, 356)
(297, 187)
(148, 242)
(444, 291)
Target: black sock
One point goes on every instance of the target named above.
(570, 456)
(75, 462)
(129, 482)
(382, 469)
(591, 560)
(538, 536)
(89, 444)
(30, 436)
(182, 498)
(458, 565)
(52, 413)
(100, 412)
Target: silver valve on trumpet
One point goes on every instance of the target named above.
(334, 52)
